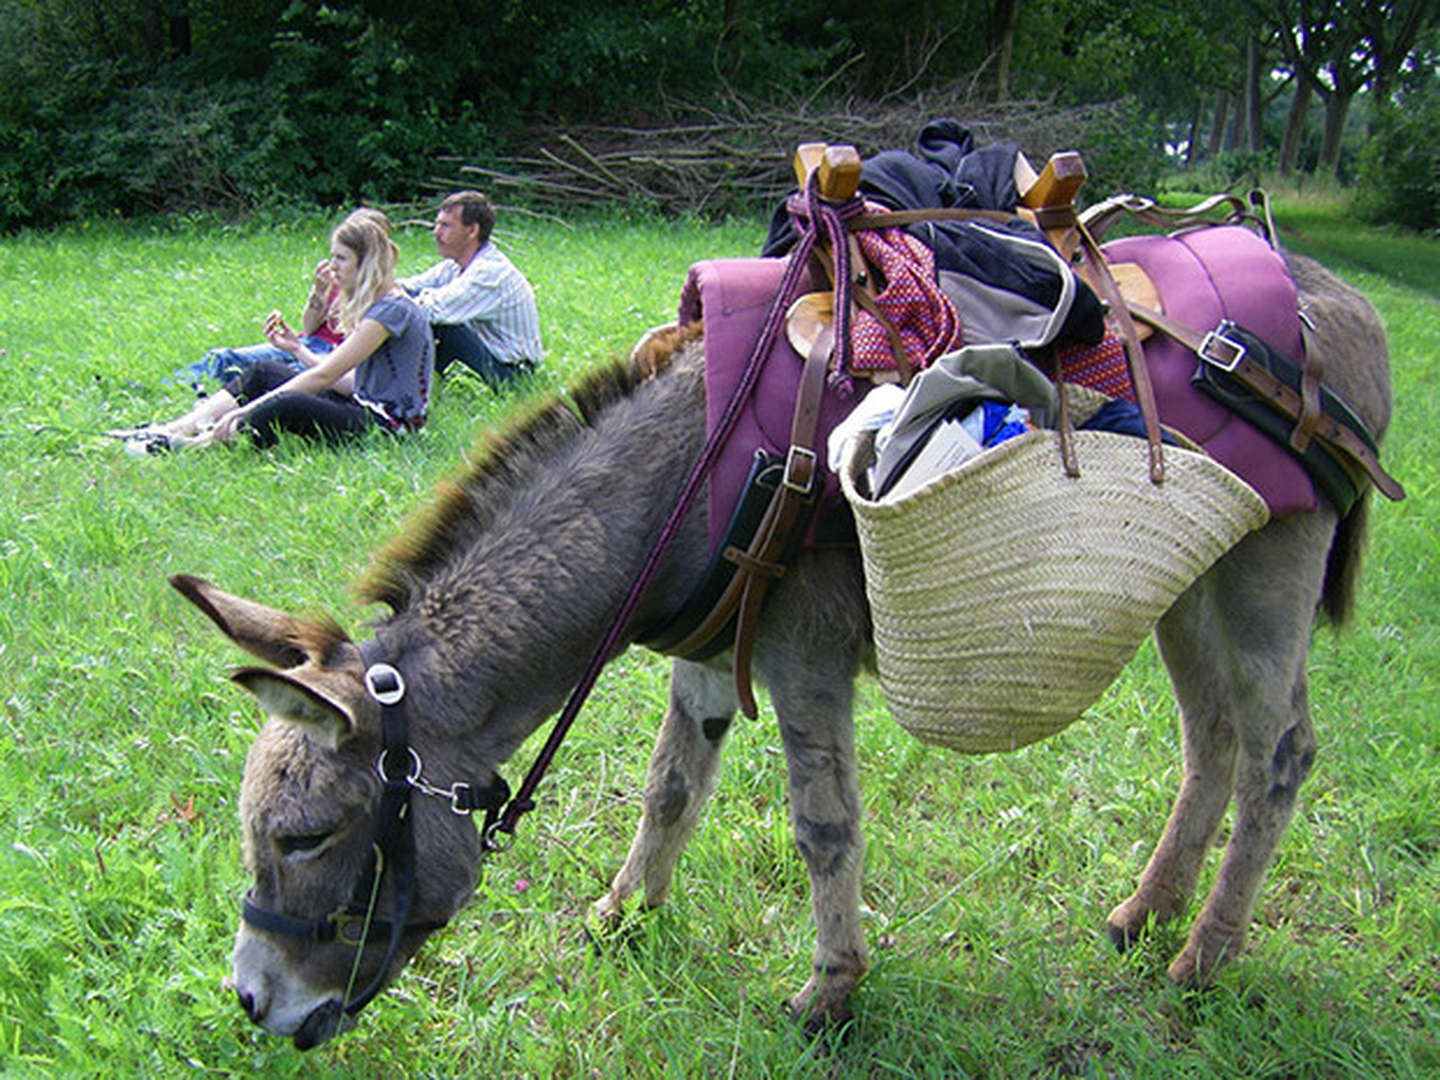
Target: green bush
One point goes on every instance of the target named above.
(1400, 166)
(1121, 145)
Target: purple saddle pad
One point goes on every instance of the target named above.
(1205, 275)
(733, 297)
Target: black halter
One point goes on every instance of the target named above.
(392, 849)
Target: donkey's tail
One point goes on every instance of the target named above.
(1342, 565)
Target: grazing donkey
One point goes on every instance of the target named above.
(502, 591)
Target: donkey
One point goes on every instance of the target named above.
(506, 582)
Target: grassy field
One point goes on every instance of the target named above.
(987, 879)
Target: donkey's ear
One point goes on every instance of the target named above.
(273, 636)
(302, 701)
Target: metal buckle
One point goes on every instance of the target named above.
(1222, 352)
(790, 461)
(390, 694)
(342, 920)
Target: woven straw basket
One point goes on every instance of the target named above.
(1006, 596)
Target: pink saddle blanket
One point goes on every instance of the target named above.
(732, 297)
(1205, 275)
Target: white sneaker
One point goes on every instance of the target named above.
(155, 442)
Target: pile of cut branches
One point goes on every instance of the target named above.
(736, 159)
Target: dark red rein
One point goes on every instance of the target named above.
(820, 213)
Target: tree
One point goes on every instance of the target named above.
(1339, 47)
(1391, 31)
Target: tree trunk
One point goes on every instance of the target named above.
(731, 23)
(1295, 127)
(1337, 107)
(1000, 44)
(1252, 94)
(1192, 149)
(1217, 123)
(180, 32)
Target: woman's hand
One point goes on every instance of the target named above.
(279, 334)
(324, 279)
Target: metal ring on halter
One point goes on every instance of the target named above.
(415, 766)
(392, 694)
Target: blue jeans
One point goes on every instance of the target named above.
(223, 365)
(459, 341)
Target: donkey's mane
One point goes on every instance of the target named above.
(501, 461)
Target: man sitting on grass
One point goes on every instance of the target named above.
(481, 308)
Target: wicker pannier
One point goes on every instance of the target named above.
(1006, 596)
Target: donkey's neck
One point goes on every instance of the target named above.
(509, 620)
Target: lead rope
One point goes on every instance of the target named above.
(820, 213)
(365, 929)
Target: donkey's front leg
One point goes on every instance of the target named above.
(819, 737)
(681, 777)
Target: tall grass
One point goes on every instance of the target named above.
(987, 879)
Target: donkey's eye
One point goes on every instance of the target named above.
(302, 845)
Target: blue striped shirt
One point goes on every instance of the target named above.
(491, 295)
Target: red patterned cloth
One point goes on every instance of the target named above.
(1098, 367)
(912, 302)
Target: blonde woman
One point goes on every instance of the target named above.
(380, 375)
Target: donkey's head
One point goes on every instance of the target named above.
(349, 878)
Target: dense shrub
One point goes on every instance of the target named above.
(1121, 146)
(1400, 166)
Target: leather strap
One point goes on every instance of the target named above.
(1065, 428)
(864, 297)
(1312, 372)
(1098, 218)
(1334, 435)
(1097, 272)
(889, 219)
(762, 562)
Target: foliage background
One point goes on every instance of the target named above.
(129, 108)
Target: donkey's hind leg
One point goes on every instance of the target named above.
(1186, 638)
(810, 660)
(681, 777)
(1236, 649)
(819, 737)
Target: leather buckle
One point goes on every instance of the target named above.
(793, 458)
(1220, 351)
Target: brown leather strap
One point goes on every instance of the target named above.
(1098, 218)
(802, 473)
(1067, 441)
(1097, 272)
(1312, 373)
(1327, 430)
(889, 219)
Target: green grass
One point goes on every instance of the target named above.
(987, 878)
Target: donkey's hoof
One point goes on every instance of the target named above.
(1200, 961)
(607, 913)
(823, 1005)
(1127, 924)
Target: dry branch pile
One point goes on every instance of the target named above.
(709, 161)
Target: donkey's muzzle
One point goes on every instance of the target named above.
(325, 1022)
